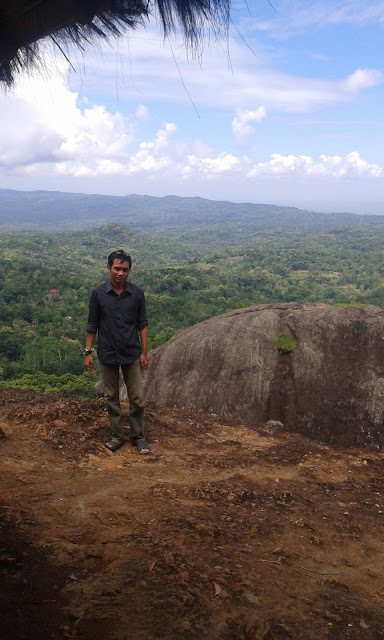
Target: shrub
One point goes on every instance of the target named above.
(284, 342)
(70, 384)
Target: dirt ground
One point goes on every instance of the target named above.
(225, 532)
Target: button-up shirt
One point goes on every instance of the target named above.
(117, 319)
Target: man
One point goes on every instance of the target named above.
(117, 312)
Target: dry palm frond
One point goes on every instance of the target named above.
(24, 23)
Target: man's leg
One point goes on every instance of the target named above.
(110, 379)
(135, 389)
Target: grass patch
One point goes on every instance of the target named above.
(284, 342)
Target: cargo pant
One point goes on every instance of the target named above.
(133, 380)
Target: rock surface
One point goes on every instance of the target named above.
(330, 387)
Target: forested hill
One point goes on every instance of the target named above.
(45, 210)
(194, 258)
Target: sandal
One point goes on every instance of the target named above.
(113, 445)
(143, 447)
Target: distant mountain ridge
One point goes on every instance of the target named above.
(53, 210)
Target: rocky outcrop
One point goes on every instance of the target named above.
(317, 369)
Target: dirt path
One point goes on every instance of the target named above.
(224, 532)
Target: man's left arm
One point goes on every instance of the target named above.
(144, 342)
(142, 326)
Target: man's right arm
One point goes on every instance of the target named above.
(88, 361)
(91, 329)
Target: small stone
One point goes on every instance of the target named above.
(208, 529)
(332, 616)
(274, 425)
(251, 597)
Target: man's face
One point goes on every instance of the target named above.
(118, 272)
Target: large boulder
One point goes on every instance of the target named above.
(317, 369)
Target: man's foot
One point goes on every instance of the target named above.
(143, 447)
(114, 444)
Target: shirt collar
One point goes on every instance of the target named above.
(127, 287)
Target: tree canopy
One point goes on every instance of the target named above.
(46, 278)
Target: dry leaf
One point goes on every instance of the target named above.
(151, 566)
(217, 588)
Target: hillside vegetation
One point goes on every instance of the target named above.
(43, 210)
(214, 257)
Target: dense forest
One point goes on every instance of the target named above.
(189, 273)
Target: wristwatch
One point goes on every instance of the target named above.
(87, 352)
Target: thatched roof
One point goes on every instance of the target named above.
(24, 23)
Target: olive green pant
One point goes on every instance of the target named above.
(132, 377)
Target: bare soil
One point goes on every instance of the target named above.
(225, 531)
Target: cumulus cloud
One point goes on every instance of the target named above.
(222, 164)
(142, 112)
(43, 123)
(348, 167)
(152, 157)
(240, 123)
(64, 136)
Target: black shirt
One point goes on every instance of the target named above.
(117, 319)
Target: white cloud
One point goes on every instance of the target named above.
(348, 167)
(362, 79)
(240, 126)
(152, 157)
(297, 17)
(61, 138)
(244, 83)
(48, 130)
(66, 136)
(224, 163)
(142, 112)
(42, 123)
(320, 56)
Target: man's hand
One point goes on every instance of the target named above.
(144, 343)
(88, 363)
(143, 362)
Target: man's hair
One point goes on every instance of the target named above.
(119, 255)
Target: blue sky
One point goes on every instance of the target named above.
(287, 109)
